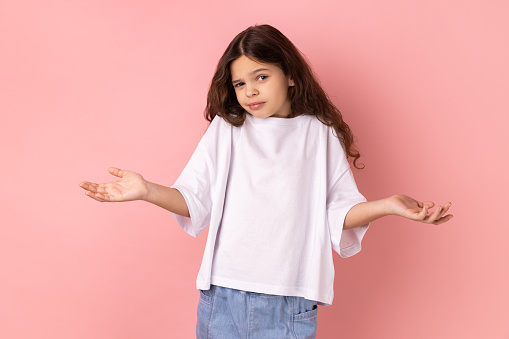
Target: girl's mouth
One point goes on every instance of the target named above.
(256, 105)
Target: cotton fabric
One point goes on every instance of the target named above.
(275, 192)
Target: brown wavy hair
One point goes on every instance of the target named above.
(266, 44)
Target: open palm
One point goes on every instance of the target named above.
(410, 208)
(131, 186)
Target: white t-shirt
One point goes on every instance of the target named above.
(275, 192)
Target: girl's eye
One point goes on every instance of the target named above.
(238, 84)
(262, 77)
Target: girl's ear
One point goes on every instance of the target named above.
(290, 82)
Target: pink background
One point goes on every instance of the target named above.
(85, 85)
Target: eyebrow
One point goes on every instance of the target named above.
(253, 72)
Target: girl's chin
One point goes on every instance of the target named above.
(259, 116)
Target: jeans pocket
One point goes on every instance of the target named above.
(204, 312)
(305, 323)
(206, 296)
(306, 315)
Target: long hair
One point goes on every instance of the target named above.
(266, 44)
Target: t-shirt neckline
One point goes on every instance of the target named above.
(275, 121)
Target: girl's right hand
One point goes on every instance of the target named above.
(131, 186)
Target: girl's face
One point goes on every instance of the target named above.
(261, 89)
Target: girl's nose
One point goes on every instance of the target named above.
(251, 91)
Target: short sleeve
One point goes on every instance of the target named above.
(342, 196)
(195, 183)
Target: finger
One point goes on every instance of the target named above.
(84, 184)
(430, 204)
(96, 196)
(424, 213)
(444, 210)
(444, 219)
(90, 186)
(435, 215)
(117, 172)
(102, 196)
(96, 188)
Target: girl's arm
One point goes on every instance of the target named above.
(132, 186)
(400, 205)
(168, 198)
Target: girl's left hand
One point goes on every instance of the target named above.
(407, 207)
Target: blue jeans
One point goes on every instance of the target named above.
(225, 313)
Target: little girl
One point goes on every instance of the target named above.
(271, 178)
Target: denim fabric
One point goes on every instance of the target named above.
(225, 313)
